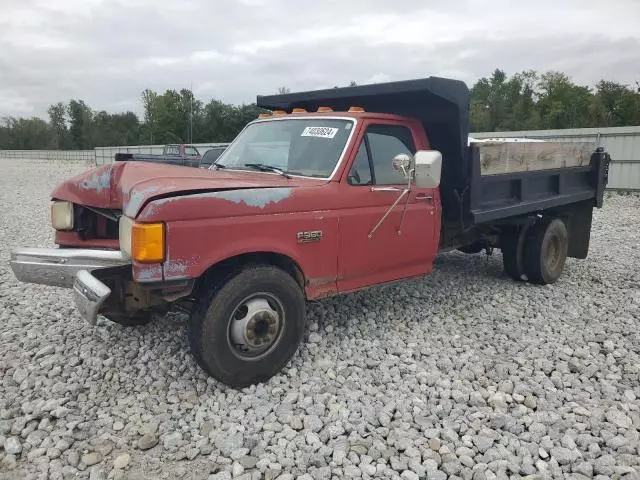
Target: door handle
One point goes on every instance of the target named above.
(422, 196)
(386, 189)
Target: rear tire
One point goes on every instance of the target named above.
(546, 251)
(249, 327)
(512, 246)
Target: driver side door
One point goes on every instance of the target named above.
(399, 247)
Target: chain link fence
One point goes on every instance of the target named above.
(82, 156)
(97, 156)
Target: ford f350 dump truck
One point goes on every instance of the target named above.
(335, 191)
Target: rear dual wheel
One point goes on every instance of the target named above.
(546, 251)
(538, 252)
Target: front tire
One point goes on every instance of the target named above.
(246, 329)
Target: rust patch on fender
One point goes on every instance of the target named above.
(98, 181)
(177, 269)
(148, 273)
(321, 281)
(322, 287)
(260, 197)
(137, 198)
(254, 197)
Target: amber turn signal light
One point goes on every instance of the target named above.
(147, 242)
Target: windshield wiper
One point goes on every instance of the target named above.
(267, 168)
(218, 165)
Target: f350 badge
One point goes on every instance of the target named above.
(310, 236)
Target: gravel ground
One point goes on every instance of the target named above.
(464, 374)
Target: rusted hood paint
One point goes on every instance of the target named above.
(131, 185)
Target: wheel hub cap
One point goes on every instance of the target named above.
(254, 326)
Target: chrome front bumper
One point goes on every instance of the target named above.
(69, 268)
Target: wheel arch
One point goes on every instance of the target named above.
(227, 266)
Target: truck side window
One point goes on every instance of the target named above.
(190, 151)
(360, 173)
(385, 142)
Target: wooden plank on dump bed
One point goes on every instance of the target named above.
(510, 157)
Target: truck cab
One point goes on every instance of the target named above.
(188, 153)
(333, 191)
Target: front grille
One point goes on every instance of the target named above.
(96, 223)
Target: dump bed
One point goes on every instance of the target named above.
(481, 182)
(509, 179)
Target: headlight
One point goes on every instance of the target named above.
(62, 215)
(143, 242)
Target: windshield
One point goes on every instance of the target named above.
(310, 147)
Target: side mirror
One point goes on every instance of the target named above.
(402, 163)
(428, 167)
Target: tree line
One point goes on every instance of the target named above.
(524, 101)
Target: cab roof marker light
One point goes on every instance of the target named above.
(325, 109)
(264, 115)
(279, 113)
(356, 109)
(299, 110)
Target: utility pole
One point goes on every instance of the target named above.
(191, 115)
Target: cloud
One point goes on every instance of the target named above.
(107, 51)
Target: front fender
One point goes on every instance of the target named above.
(196, 245)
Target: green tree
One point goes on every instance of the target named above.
(115, 129)
(58, 121)
(563, 104)
(615, 104)
(149, 100)
(489, 103)
(28, 134)
(80, 118)
(524, 101)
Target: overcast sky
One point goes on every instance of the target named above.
(107, 51)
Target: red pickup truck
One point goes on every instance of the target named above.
(335, 191)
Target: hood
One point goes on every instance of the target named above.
(128, 186)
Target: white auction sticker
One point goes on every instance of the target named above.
(322, 132)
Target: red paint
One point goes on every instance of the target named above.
(214, 215)
(131, 184)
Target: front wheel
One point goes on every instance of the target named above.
(247, 329)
